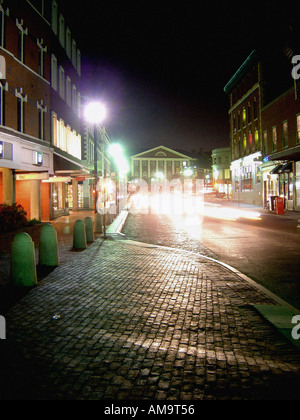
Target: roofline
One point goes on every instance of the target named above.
(162, 147)
(241, 71)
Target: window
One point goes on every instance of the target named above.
(74, 98)
(274, 139)
(42, 109)
(54, 17)
(239, 120)
(234, 124)
(245, 143)
(298, 128)
(54, 82)
(62, 82)
(21, 32)
(244, 117)
(256, 137)
(265, 145)
(62, 38)
(69, 91)
(249, 112)
(2, 29)
(79, 105)
(68, 43)
(42, 51)
(79, 63)
(74, 53)
(255, 109)
(285, 140)
(3, 88)
(21, 99)
(65, 138)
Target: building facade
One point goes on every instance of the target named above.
(281, 150)
(245, 96)
(161, 163)
(221, 162)
(43, 162)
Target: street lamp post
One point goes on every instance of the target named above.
(95, 113)
(122, 167)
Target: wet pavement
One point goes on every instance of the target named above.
(129, 321)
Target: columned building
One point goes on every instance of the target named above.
(160, 163)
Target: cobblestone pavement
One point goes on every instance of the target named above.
(128, 322)
(160, 230)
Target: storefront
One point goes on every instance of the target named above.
(279, 181)
(247, 180)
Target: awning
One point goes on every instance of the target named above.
(276, 170)
(288, 167)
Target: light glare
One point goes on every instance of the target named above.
(95, 112)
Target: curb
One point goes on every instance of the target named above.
(117, 225)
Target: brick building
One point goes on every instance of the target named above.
(281, 149)
(43, 150)
(245, 96)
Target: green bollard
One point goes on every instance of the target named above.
(23, 263)
(98, 223)
(79, 235)
(48, 249)
(89, 228)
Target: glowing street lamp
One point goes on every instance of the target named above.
(95, 112)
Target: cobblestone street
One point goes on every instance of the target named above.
(160, 230)
(123, 321)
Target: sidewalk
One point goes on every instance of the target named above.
(130, 321)
(288, 214)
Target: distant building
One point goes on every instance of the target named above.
(161, 163)
(221, 162)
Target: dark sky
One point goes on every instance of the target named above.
(161, 66)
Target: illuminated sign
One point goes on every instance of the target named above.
(58, 179)
(27, 177)
(1, 150)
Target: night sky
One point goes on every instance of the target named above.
(161, 66)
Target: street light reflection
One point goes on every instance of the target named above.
(192, 208)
